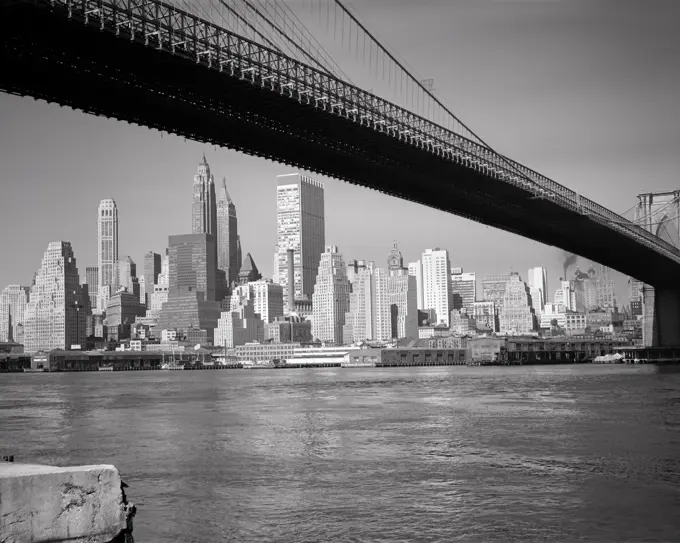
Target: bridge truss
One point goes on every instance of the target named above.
(167, 28)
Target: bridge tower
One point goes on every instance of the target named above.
(659, 213)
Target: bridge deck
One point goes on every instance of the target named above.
(47, 55)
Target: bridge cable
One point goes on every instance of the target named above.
(282, 33)
(302, 33)
(425, 90)
(252, 27)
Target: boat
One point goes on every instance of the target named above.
(106, 368)
(172, 365)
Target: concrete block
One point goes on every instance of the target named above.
(83, 504)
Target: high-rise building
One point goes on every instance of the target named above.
(606, 295)
(160, 289)
(92, 280)
(152, 268)
(537, 280)
(125, 276)
(368, 316)
(402, 296)
(227, 235)
(463, 289)
(301, 227)
(516, 315)
(437, 284)
(248, 271)
(241, 324)
(267, 298)
(416, 270)
(204, 204)
(13, 301)
(330, 300)
(239, 254)
(493, 289)
(486, 316)
(354, 267)
(191, 301)
(107, 242)
(121, 311)
(566, 295)
(54, 317)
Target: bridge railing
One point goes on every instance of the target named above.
(161, 25)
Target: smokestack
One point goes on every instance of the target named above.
(291, 280)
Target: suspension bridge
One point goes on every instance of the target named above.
(251, 75)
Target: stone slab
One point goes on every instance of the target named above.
(40, 504)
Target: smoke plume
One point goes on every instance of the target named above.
(569, 260)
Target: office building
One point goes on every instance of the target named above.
(191, 301)
(516, 315)
(204, 203)
(227, 235)
(330, 300)
(107, 242)
(485, 314)
(125, 276)
(300, 227)
(463, 289)
(537, 280)
(267, 298)
(54, 317)
(92, 280)
(415, 269)
(122, 310)
(240, 324)
(152, 269)
(566, 295)
(13, 302)
(437, 284)
(368, 316)
(248, 272)
(493, 289)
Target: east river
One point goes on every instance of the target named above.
(565, 453)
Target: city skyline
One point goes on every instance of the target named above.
(149, 165)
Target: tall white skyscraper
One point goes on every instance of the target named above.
(537, 280)
(13, 301)
(437, 284)
(55, 314)
(301, 227)
(330, 299)
(107, 242)
(415, 269)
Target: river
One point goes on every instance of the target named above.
(564, 453)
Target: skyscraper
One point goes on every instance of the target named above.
(368, 315)
(13, 301)
(152, 269)
(415, 269)
(330, 300)
(92, 280)
(463, 289)
(437, 284)
(227, 235)
(54, 317)
(107, 242)
(191, 301)
(125, 276)
(204, 205)
(301, 227)
(537, 280)
(516, 315)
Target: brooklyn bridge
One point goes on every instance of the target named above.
(250, 76)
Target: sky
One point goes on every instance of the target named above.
(583, 91)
